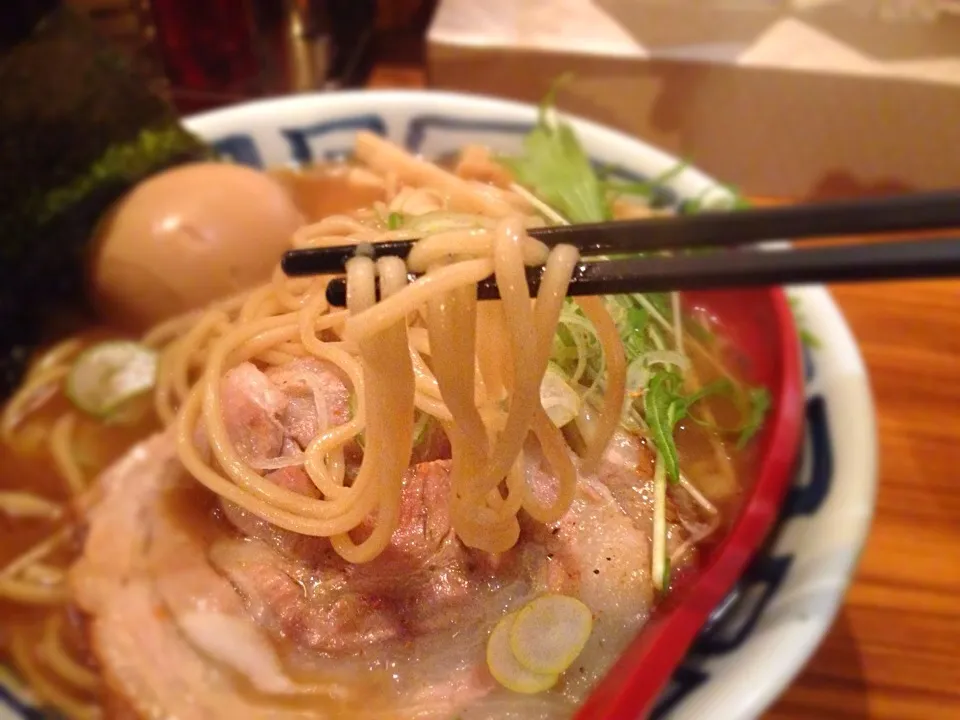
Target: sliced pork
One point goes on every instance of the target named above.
(317, 397)
(199, 610)
(170, 634)
(278, 412)
(314, 609)
(190, 620)
(252, 407)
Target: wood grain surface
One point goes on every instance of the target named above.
(894, 650)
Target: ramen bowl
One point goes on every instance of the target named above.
(731, 637)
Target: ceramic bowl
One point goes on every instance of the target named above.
(726, 645)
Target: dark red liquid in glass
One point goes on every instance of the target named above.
(209, 50)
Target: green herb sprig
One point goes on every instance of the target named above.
(555, 166)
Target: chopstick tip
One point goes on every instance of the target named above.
(337, 292)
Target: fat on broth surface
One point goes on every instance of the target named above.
(319, 192)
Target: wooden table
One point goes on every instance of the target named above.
(894, 651)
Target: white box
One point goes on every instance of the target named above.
(781, 97)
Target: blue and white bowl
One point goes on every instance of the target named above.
(763, 634)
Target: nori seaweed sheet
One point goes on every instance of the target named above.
(78, 128)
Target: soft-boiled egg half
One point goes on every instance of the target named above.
(188, 236)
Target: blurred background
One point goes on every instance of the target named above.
(846, 97)
(785, 99)
(206, 53)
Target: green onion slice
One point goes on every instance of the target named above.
(106, 376)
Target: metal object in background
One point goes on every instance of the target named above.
(307, 44)
(206, 53)
(220, 51)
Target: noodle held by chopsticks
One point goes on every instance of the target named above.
(414, 350)
(374, 352)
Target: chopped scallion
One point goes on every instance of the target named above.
(106, 376)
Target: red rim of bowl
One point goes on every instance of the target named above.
(632, 686)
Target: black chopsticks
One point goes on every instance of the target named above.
(708, 229)
(716, 229)
(916, 259)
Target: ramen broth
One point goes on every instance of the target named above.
(320, 192)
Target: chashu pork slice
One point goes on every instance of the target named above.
(189, 619)
(170, 634)
(199, 610)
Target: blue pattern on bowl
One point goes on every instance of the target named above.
(299, 138)
(433, 134)
(455, 131)
(240, 148)
(737, 616)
